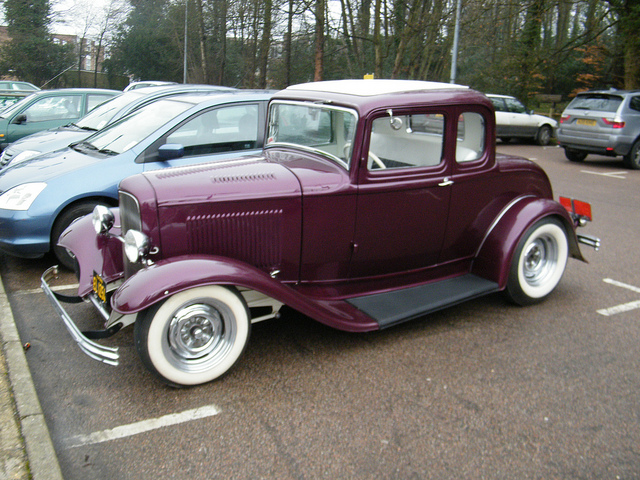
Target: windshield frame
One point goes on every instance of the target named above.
(349, 140)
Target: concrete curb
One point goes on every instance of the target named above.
(42, 460)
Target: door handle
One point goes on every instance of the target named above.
(446, 182)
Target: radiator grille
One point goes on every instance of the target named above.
(129, 213)
(253, 237)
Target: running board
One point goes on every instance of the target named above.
(391, 308)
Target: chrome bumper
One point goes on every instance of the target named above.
(108, 355)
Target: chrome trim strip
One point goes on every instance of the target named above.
(506, 208)
(108, 355)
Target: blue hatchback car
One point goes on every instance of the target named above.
(100, 117)
(41, 196)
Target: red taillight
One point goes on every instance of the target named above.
(577, 207)
(565, 118)
(583, 209)
(613, 123)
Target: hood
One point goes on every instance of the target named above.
(44, 167)
(243, 178)
(49, 140)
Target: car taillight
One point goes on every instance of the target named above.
(613, 123)
(577, 208)
(565, 118)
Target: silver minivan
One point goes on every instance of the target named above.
(602, 122)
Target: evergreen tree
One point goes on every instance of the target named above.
(31, 54)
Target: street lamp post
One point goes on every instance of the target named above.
(186, 12)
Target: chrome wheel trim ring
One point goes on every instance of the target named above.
(540, 260)
(200, 335)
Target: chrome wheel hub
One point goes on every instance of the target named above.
(539, 260)
(196, 331)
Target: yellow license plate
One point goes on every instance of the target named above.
(99, 288)
(587, 122)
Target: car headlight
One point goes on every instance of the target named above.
(102, 219)
(22, 196)
(136, 245)
(27, 154)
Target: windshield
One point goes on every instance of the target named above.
(135, 127)
(321, 128)
(15, 107)
(597, 101)
(100, 116)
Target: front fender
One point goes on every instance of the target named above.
(168, 277)
(493, 260)
(94, 253)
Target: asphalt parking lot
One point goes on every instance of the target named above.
(482, 390)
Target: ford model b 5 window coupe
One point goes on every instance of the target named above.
(372, 203)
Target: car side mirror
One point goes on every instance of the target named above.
(20, 119)
(169, 151)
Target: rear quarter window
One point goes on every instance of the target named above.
(634, 103)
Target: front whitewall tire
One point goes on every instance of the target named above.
(195, 336)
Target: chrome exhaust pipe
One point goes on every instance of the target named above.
(589, 240)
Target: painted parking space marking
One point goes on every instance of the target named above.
(143, 426)
(621, 175)
(625, 307)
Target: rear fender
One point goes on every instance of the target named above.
(168, 277)
(493, 260)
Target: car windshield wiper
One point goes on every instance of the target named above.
(106, 151)
(80, 146)
(90, 129)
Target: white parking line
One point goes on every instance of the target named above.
(620, 175)
(620, 284)
(625, 307)
(124, 431)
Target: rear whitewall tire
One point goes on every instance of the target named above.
(195, 336)
(538, 263)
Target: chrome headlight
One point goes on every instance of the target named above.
(136, 245)
(102, 219)
(22, 196)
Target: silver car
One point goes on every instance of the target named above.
(604, 123)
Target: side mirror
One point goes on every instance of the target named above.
(169, 151)
(20, 119)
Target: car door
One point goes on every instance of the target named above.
(45, 113)
(503, 118)
(522, 122)
(227, 130)
(477, 193)
(403, 193)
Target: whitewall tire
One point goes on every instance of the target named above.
(538, 263)
(195, 336)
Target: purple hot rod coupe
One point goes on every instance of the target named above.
(373, 202)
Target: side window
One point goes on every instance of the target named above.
(515, 106)
(406, 141)
(498, 104)
(94, 100)
(224, 129)
(634, 103)
(471, 135)
(54, 108)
